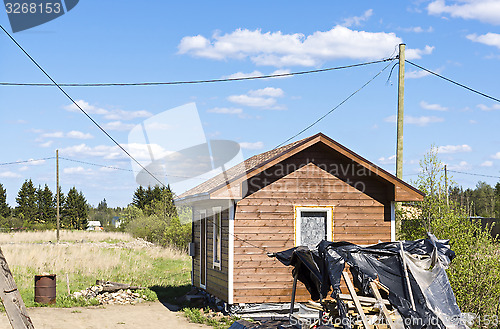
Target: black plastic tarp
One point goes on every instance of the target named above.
(431, 304)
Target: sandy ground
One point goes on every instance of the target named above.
(143, 315)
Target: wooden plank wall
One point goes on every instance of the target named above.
(217, 279)
(266, 219)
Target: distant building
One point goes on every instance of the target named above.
(94, 225)
(116, 222)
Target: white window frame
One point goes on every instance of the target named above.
(217, 229)
(297, 221)
(203, 214)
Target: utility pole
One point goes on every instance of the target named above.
(57, 188)
(401, 94)
(446, 185)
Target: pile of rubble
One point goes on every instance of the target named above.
(111, 293)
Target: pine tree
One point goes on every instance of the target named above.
(75, 210)
(4, 207)
(139, 198)
(26, 202)
(46, 206)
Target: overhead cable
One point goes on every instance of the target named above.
(125, 84)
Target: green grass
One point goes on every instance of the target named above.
(164, 272)
(195, 315)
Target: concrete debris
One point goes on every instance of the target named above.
(122, 296)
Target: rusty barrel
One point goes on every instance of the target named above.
(45, 289)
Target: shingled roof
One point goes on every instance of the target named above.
(250, 167)
(242, 168)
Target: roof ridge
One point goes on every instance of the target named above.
(244, 167)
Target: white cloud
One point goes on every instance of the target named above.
(447, 149)
(487, 11)
(118, 125)
(57, 134)
(83, 150)
(46, 144)
(388, 160)
(24, 168)
(416, 74)
(252, 101)
(483, 107)
(239, 75)
(462, 165)
(225, 110)
(256, 73)
(418, 53)
(90, 109)
(490, 39)
(357, 20)
(472, 122)
(79, 135)
(418, 29)
(496, 156)
(141, 152)
(108, 114)
(76, 170)
(268, 91)
(279, 49)
(418, 121)
(252, 146)
(432, 107)
(264, 98)
(9, 174)
(487, 163)
(126, 115)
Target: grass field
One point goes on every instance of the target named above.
(85, 256)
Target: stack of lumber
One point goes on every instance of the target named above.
(372, 312)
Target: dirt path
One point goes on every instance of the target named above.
(144, 315)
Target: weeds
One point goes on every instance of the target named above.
(205, 316)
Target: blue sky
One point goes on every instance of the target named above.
(132, 41)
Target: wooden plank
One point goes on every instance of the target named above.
(356, 301)
(364, 299)
(386, 313)
(242, 225)
(11, 298)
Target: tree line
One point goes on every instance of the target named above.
(482, 201)
(36, 208)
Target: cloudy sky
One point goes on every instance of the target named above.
(137, 41)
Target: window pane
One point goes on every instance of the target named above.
(313, 228)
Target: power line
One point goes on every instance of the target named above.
(336, 107)
(122, 169)
(472, 174)
(25, 161)
(125, 84)
(454, 82)
(79, 107)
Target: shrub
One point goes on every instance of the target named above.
(474, 273)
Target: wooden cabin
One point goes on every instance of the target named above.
(297, 194)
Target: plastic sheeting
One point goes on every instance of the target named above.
(431, 303)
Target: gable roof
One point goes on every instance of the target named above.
(260, 162)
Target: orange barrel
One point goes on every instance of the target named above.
(45, 289)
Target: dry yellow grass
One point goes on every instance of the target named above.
(102, 255)
(65, 236)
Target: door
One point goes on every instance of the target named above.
(203, 249)
(313, 225)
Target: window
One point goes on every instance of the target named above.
(217, 236)
(313, 224)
